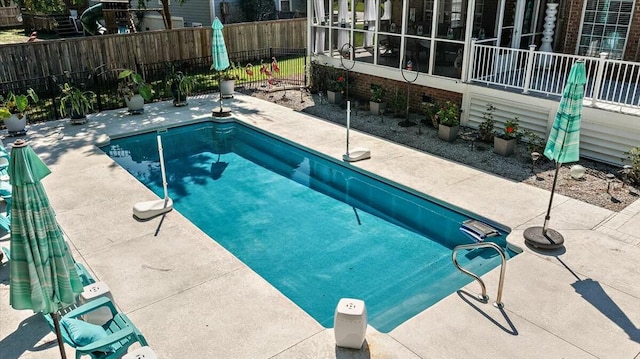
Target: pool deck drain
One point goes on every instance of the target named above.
(192, 298)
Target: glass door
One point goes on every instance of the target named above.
(519, 23)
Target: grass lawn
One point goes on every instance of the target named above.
(14, 36)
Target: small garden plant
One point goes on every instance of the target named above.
(511, 130)
(377, 93)
(534, 142)
(633, 156)
(449, 114)
(338, 84)
(485, 130)
(399, 104)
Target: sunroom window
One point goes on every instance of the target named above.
(605, 27)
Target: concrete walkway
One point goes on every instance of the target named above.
(193, 299)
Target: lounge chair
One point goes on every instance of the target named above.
(5, 219)
(85, 277)
(110, 340)
(5, 188)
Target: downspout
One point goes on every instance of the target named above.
(310, 12)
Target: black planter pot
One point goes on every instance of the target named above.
(77, 118)
(179, 99)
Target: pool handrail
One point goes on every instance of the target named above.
(483, 297)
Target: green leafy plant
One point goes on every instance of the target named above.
(16, 104)
(75, 102)
(320, 76)
(231, 73)
(377, 93)
(399, 104)
(178, 83)
(430, 109)
(449, 114)
(132, 83)
(534, 142)
(511, 129)
(633, 156)
(485, 129)
(338, 84)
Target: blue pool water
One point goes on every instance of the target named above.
(315, 229)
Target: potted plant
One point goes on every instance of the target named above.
(134, 90)
(448, 117)
(75, 103)
(335, 90)
(180, 86)
(227, 80)
(376, 102)
(13, 108)
(504, 143)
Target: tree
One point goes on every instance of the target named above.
(259, 10)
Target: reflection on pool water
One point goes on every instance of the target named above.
(315, 229)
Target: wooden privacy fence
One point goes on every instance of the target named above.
(9, 16)
(43, 58)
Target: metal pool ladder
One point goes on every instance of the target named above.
(484, 297)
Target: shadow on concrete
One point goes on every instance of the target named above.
(346, 353)
(592, 292)
(511, 330)
(26, 338)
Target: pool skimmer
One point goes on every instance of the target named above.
(149, 209)
(358, 153)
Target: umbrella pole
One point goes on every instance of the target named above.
(220, 87)
(545, 237)
(553, 190)
(56, 324)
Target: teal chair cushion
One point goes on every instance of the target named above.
(5, 188)
(81, 332)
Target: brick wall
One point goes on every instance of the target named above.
(571, 15)
(360, 88)
(632, 51)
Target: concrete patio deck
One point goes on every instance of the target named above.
(193, 299)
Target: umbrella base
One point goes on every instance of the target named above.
(221, 112)
(534, 237)
(17, 133)
(136, 112)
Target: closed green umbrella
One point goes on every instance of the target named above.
(219, 54)
(42, 275)
(563, 146)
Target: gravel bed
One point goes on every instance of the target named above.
(594, 188)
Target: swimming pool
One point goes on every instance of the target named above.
(315, 229)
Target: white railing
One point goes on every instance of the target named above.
(610, 82)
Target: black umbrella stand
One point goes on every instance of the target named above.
(545, 237)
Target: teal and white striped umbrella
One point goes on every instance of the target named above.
(219, 54)
(563, 144)
(42, 275)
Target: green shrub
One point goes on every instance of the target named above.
(485, 130)
(399, 104)
(633, 156)
(534, 142)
